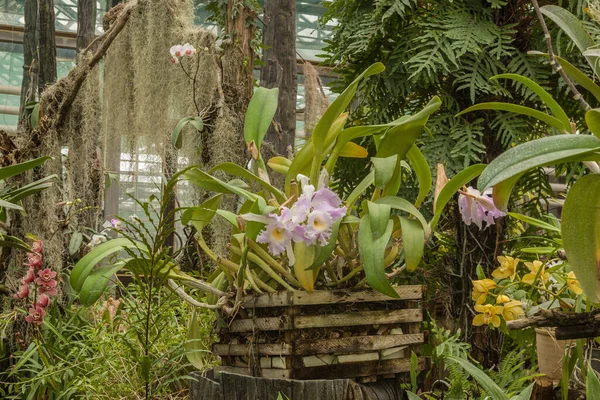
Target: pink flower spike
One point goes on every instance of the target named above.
(34, 260)
(36, 315)
(37, 247)
(48, 283)
(42, 301)
(22, 293)
(29, 277)
(477, 208)
(46, 275)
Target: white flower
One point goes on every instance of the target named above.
(177, 50)
(97, 239)
(188, 49)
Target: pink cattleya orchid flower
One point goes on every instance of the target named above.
(34, 260)
(477, 208)
(22, 293)
(42, 301)
(29, 277)
(36, 315)
(37, 247)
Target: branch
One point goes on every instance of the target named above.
(554, 62)
(186, 297)
(569, 324)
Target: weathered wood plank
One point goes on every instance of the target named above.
(269, 373)
(405, 292)
(355, 343)
(205, 388)
(339, 371)
(245, 349)
(299, 298)
(260, 324)
(358, 318)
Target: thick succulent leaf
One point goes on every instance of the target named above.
(573, 27)
(384, 169)
(592, 118)
(539, 153)
(575, 74)
(96, 283)
(449, 190)
(84, 267)
(517, 109)
(353, 150)
(581, 233)
(260, 113)
(7, 172)
(176, 137)
(372, 255)
(201, 215)
(379, 214)
(546, 97)
(236, 170)
(413, 239)
(194, 345)
(406, 206)
(422, 172)
(280, 164)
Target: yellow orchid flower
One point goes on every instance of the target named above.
(535, 268)
(501, 299)
(481, 289)
(507, 268)
(512, 310)
(489, 314)
(573, 283)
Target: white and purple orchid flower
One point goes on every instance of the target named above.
(477, 208)
(309, 220)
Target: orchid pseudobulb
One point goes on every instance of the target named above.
(309, 220)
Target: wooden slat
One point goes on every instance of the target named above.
(405, 292)
(260, 324)
(358, 318)
(245, 349)
(270, 373)
(372, 368)
(301, 298)
(355, 344)
(278, 299)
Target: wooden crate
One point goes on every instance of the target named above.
(330, 334)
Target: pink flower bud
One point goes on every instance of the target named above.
(38, 247)
(34, 260)
(22, 293)
(29, 277)
(43, 301)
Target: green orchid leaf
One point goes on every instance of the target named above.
(194, 345)
(401, 204)
(372, 255)
(10, 171)
(413, 239)
(379, 214)
(581, 233)
(384, 170)
(517, 109)
(592, 118)
(534, 222)
(452, 187)
(592, 387)
(546, 97)
(176, 137)
(280, 164)
(260, 113)
(359, 190)
(573, 27)
(200, 216)
(353, 150)
(84, 267)
(212, 184)
(96, 283)
(490, 387)
(422, 172)
(236, 170)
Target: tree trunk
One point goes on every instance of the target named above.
(30, 64)
(86, 23)
(46, 44)
(279, 57)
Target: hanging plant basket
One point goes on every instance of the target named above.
(329, 333)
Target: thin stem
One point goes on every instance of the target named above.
(553, 60)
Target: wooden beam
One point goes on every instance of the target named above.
(355, 344)
(279, 349)
(358, 318)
